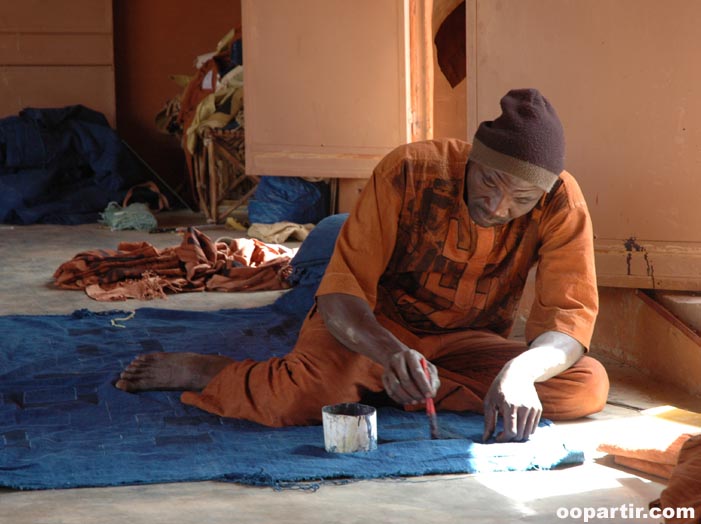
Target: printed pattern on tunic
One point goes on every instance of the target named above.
(436, 265)
(412, 251)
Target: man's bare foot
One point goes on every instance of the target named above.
(185, 371)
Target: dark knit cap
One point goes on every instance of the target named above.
(526, 140)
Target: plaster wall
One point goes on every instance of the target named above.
(152, 40)
(55, 54)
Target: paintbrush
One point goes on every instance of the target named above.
(430, 406)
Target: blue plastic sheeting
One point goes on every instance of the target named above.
(288, 199)
(62, 166)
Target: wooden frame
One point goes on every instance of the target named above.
(219, 170)
(330, 94)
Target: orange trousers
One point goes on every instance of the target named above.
(291, 390)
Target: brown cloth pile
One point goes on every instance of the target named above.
(141, 271)
(684, 487)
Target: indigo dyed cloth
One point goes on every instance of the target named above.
(288, 199)
(63, 424)
(62, 166)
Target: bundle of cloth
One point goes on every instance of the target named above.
(141, 271)
(211, 98)
(62, 166)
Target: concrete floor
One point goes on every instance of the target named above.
(30, 254)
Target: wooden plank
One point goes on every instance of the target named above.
(632, 330)
(65, 16)
(329, 95)
(670, 317)
(55, 49)
(57, 86)
(636, 263)
(684, 305)
(349, 190)
(472, 68)
(421, 69)
(286, 160)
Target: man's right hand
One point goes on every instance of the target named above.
(405, 380)
(352, 322)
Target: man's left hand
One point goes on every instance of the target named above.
(517, 402)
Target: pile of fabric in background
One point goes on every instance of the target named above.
(211, 98)
(62, 166)
(210, 107)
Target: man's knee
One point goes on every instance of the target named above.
(599, 384)
(577, 392)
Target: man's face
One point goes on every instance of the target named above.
(495, 197)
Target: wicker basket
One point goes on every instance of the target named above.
(220, 172)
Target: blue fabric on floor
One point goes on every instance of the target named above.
(291, 199)
(63, 424)
(62, 166)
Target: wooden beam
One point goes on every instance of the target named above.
(634, 263)
(632, 328)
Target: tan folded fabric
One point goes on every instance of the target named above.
(279, 231)
(651, 442)
(645, 466)
(659, 446)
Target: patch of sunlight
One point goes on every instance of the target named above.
(528, 486)
(675, 414)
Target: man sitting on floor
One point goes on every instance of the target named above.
(431, 264)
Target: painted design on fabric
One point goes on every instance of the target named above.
(446, 272)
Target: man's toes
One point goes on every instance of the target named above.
(132, 370)
(124, 385)
(130, 379)
(126, 375)
(141, 363)
(146, 372)
(150, 357)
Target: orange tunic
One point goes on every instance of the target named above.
(412, 251)
(444, 287)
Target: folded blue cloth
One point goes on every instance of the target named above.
(62, 166)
